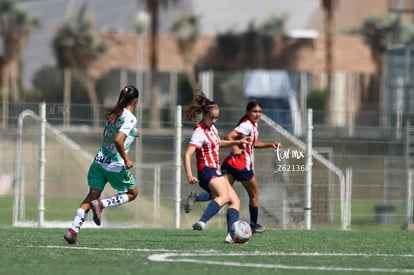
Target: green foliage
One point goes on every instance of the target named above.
(228, 44)
(186, 28)
(273, 26)
(7, 5)
(251, 40)
(31, 95)
(254, 45)
(14, 20)
(76, 44)
(379, 31)
(316, 100)
(48, 82)
(185, 92)
(407, 35)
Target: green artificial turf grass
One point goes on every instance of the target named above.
(133, 251)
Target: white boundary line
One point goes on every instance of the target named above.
(185, 257)
(176, 257)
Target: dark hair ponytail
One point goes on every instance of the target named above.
(200, 105)
(127, 94)
(249, 107)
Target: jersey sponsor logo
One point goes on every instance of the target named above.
(101, 158)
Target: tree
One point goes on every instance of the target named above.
(329, 24)
(271, 28)
(378, 33)
(186, 30)
(76, 45)
(16, 25)
(252, 48)
(153, 7)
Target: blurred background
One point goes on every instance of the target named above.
(349, 61)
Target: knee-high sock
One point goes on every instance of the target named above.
(232, 216)
(80, 217)
(254, 213)
(115, 200)
(204, 196)
(212, 208)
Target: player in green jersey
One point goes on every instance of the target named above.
(111, 164)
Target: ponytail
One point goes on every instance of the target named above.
(127, 94)
(200, 105)
(249, 107)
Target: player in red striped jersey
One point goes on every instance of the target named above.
(238, 165)
(206, 143)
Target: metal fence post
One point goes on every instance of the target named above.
(177, 163)
(308, 179)
(42, 160)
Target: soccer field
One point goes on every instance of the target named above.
(184, 251)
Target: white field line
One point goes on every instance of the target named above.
(185, 258)
(188, 257)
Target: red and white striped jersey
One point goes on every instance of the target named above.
(246, 128)
(207, 143)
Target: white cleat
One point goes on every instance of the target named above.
(228, 239)
(199, 225)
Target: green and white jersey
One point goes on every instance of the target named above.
(108, 156)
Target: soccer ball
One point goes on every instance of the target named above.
(240, 232)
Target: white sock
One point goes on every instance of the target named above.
(80, 217)
(115, 200)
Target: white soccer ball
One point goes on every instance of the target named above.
(240, 232)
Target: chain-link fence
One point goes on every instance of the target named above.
(375, 156)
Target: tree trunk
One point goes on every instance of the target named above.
(14, 72)
(89, 84)
(154, 89)
(13, 46)
(189, 72)
(67, 84)
(4, 88)
(187, 53)
(329, 40)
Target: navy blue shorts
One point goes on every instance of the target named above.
(206, 175)
(238, 174)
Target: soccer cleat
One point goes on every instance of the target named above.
(97, 207)
(189, 202)
(199, 225)
(71, 237)
(257, 228)
(228, 239)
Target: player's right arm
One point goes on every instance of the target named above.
(228, 143)
(187, 164)
(232, 135)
